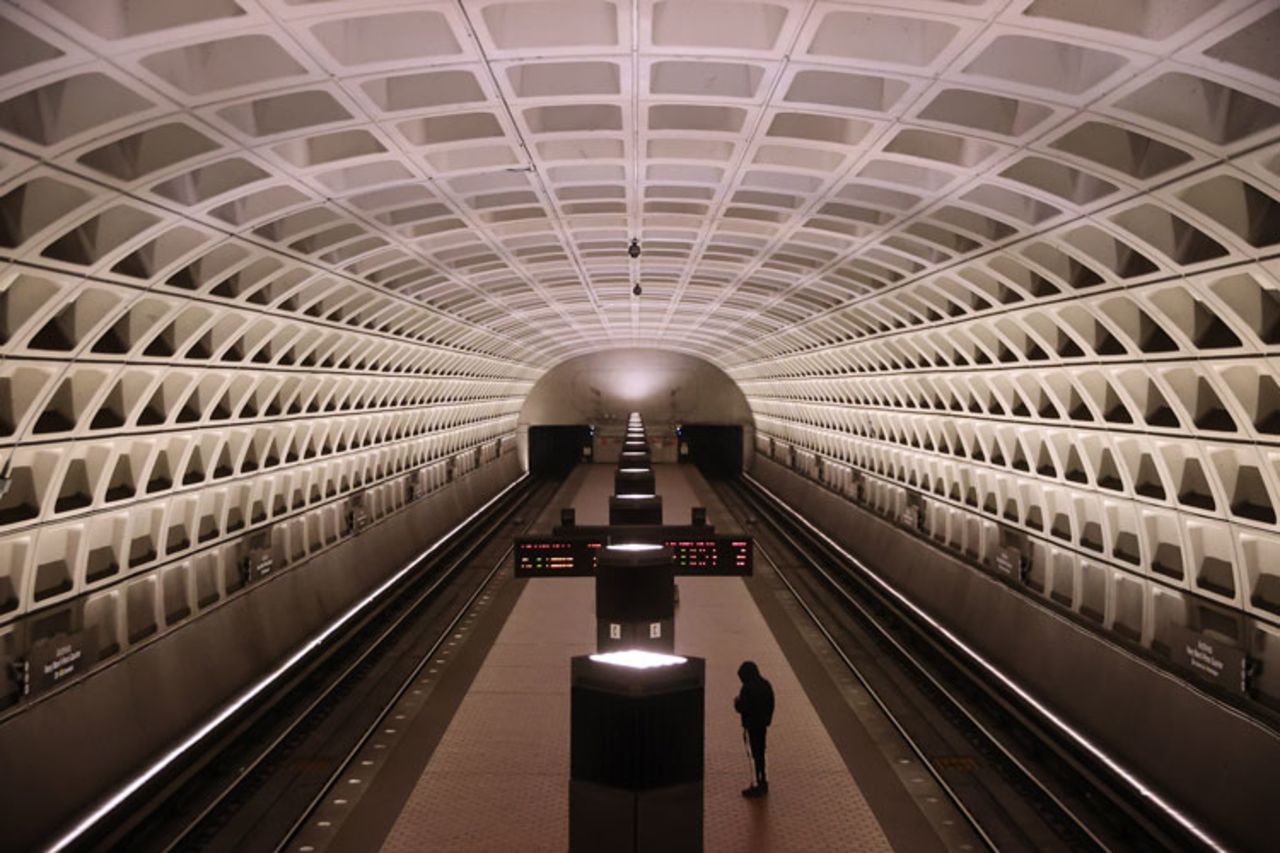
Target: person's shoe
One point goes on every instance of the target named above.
(763, 788)
(753, 791)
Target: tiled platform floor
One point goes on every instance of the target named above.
(498, 781)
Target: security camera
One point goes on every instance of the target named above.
(636, 291)
(634, 249)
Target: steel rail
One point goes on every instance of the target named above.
(407, 612)
(389, 705)
(941, 636)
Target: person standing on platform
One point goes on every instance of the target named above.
(755, 705)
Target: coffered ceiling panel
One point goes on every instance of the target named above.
(222, 216)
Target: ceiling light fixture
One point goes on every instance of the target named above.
(638, 659)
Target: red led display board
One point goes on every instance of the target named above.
(556, 558)
(575, 557)
(716, 555)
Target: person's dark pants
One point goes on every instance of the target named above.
(756, 738)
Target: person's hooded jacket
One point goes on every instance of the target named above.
(755, 699)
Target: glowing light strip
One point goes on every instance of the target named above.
(131, 787)
(1168, 808)
(638, 659)
(634, 497)
(634, 546)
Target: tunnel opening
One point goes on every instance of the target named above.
(666, 388)
(554, 450)
(715, 448)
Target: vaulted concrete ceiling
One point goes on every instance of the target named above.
(244, 236)
(489, 161)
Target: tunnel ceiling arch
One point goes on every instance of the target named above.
(666, 388)
(260, 252)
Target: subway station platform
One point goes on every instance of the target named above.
(476, 756)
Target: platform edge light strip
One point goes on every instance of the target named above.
(1093, 749)
(131, 787)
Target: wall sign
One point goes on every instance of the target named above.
(911, 512)
(1012, 553)
(259, 561)
(358, 515)
(1210, 658)
(1009, 562)
(58, 659)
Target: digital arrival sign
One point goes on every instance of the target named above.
(549, 557)
(575, 556)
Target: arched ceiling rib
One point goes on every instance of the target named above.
(490, 160)
(261, 253)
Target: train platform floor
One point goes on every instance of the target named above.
(476, 758)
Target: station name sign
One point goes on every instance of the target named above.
(565, 556)
(1211, 659)
(58, 659)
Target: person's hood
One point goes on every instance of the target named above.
(748, 671)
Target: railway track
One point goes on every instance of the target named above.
(1018, 786)
(255, 781)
